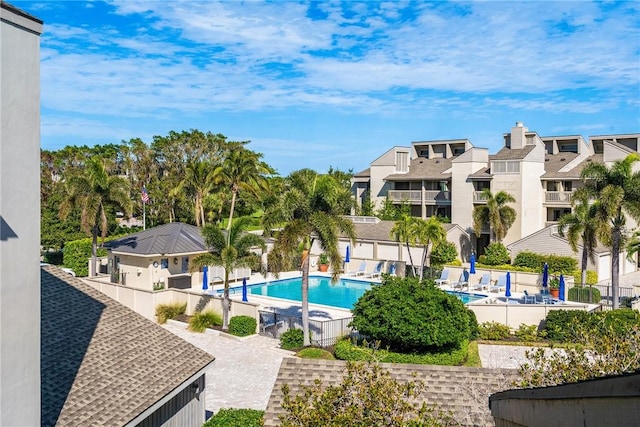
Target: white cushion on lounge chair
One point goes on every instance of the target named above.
(462, 281)
(501, 284)
(361, 270)
(378, 270)
(484, 282)
(444, 278)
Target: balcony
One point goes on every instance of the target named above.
(415, 196)
(560, 197)
(479, 197)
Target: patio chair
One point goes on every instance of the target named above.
(444, 278)
(462, 281)
(529, 299)
(361, 270)
(501, 284)
(484, 282)
(377, 271)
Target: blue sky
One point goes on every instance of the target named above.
(336, 83)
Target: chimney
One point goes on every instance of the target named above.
(518, 138)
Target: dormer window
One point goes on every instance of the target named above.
(402, 161)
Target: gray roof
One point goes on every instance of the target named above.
(423, 168)
(366, 173)
(381, 231)
(102, 364)
(464, 391)
(554, 162)
(173, 238)
(512, 153)
(483, 173)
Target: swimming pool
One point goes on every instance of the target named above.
(343, 294)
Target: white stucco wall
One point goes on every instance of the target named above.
(20, 214)
(462, 189)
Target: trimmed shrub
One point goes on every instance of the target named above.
(495, 254)
(473, 325)
(236, 417)
(169, 311)
(444, 253)
(561, 325)
(292, 339)
(411, 316)
(557, 263)
(315, 353)
(527, 333)
(203, 320)
(77, 254)
(580, 294)
(365, 352)
(242, 326)
(592, 277)
(493, 331)
(55, 258)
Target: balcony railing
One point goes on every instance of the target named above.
(416, 195)
(558, 196)
(479, 197)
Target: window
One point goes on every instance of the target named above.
(185, 264)
(402, 161)
(568, 185)
(164, 263)
(506, 167)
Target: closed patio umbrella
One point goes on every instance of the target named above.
(561, 288)
(545, 277)
(205, 279)
(507, 292)
(347, 259)
(244, 289)
(472, 261)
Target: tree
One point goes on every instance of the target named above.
(229, 249)
(92, 191)
(633, 246)
(404, 231)
(496, 213)
(367, 396)
(310, 208)
(242, 169)
(580, 225)
(197, 183)
(428, 233)
(617, 190)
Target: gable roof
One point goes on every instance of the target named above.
(512, 153)
(423, 168)
(464, 391)
(172, 238)
(101, 362)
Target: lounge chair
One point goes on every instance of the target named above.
(378, 270)
(462, 281)
(484, 282)
(392, 269)
(444, 278)
(501, 284)
(361, 270)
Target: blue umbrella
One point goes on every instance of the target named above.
(205, 279)
(346, 257)
(561, 288)
(244, 289)
(472, 261)
(507, 292)
(545, 276)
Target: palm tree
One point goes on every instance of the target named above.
(404, 231)
(242, 169)
(633, 246)
(496, 213)
(229, 249)
(580, 225)
(198, 182)
(428, 233)
(311, 207)
(617, 189)
(92, 191)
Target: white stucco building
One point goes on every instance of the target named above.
(19, 217)
(446, 177)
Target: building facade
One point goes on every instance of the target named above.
(19, 217)
(447, 177)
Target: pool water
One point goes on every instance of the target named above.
(343, 294)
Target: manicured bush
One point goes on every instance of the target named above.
(169, 311)
(242, 326)
(561, 325)
(236, 417)
(592, 277)
(203, 320)
(444, 253)
(292, 339)
(473, 325)
(315, 353)
(495, 254)
(367, 352)
(557, 263)
(493, 331)
(527, 333)
(77, 254)
(55, 258)
(580, 294)
(621, 321)
(411, 316)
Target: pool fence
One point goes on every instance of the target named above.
(324, 333)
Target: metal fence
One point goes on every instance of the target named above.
(626, 296)
(324, 333)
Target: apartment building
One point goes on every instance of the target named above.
(447, 177)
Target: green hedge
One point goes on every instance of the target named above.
(77, 254)
(292, 339)
(568, 325)
(346, 350)
(557, 264)
(493, 331)
(592, 277)
(236, 417)
(580, 294)
(242, 326)
(495, 254)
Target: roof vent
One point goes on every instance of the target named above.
(562, 159)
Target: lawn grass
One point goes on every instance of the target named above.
(473, 356)
(315, 353)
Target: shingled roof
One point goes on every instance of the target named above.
(463, 391)
(507, 153)
(103, 364)
(423, 168)
(381, 230)
(172, 238)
